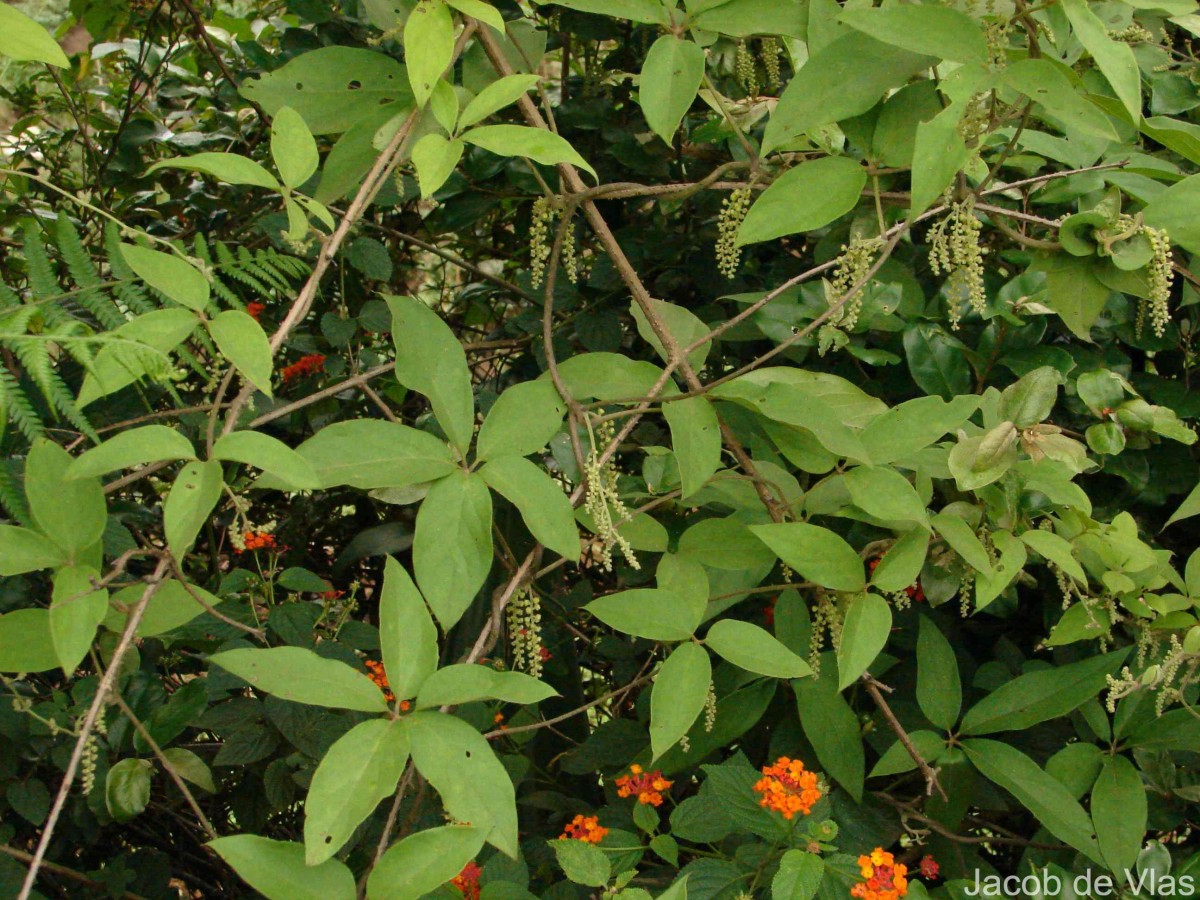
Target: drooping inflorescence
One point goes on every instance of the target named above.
(954, 249)
(733, 213)
(525, 631)
(603, 501)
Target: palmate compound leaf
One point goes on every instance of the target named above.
(424, 861)
(407, 635)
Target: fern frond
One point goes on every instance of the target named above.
(12, 498)
(36, 362)
(19, 410)
(40, 273)
(84, 273)
(63, 401)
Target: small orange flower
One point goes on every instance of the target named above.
(788, 788)
(883, 877)
(379, 676)
(584, 828)
(405, 706)
(254, 310)
(646, 786)
(305, 365)
(259, 540)
(467, 881)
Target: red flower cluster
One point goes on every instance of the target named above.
(467, 881)
(305, 365)
(259, 540)
(929, 867)
(254, 310)
(646, 786)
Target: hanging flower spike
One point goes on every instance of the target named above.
(787, 788)
(646, 786)
(883, 877)
(467, 881)
(584, 828)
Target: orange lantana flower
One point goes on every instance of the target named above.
(379, 676)
(883, 877)
(467, 881)
(259, 540)
(646, 786)
(584, 828)
(788, 788)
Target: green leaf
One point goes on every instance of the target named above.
(76, 611)
(832, 728)
(1042, 695)
(745, 18)
(21, 38)
(424, 861)
(127, 788)
(431, 361)
(135, 447)
(695, 440)
(913, 425)
(901, 566)
(452, 547)
(1043, 82)
(293, 148)
(176, 278)
(679, 694)
(521, 421)
(495, 97)
(477, 9)
(649, 12)
(671, 76)
(300, 675)
(799, 876)
(1114, 58)
(539, 498)
(228, 167)
(23, 550)
(936, 361)
(333, 88)
(939, 151)
(816, 553)
(1029, 400)
(361, 768)
(607, 376)
(190, 767)
(373, 453)
(1012, 560)
(1174, 210)
(936, 31)
(428, 46)
(804, 198)
(647, 612)
(269, 454)
(582, 863)
(119, 365)
(978, 461)
(843, 79)
(939, 689)
(1188, 508)
(1073, 291)
(865, 631)
(170, 606)
(681, 323)
(435, 159)
(276, 869)
(466, 683)
(460, 764)
(1119, 812)
(70, 513)
(1042, 794)
(963, 541)
(1055, 549)
(751, 648)
(896, 760)
(538, 144)
(885, 494)
(407, 635)
(25, 642)
(243, 342)
(194, 493)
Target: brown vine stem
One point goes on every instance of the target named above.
(907, 811)
(374, 181)
(166, 764)
(630, 277)
(64, 872)
(89, 723)
(875, 689)
(546, 723)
